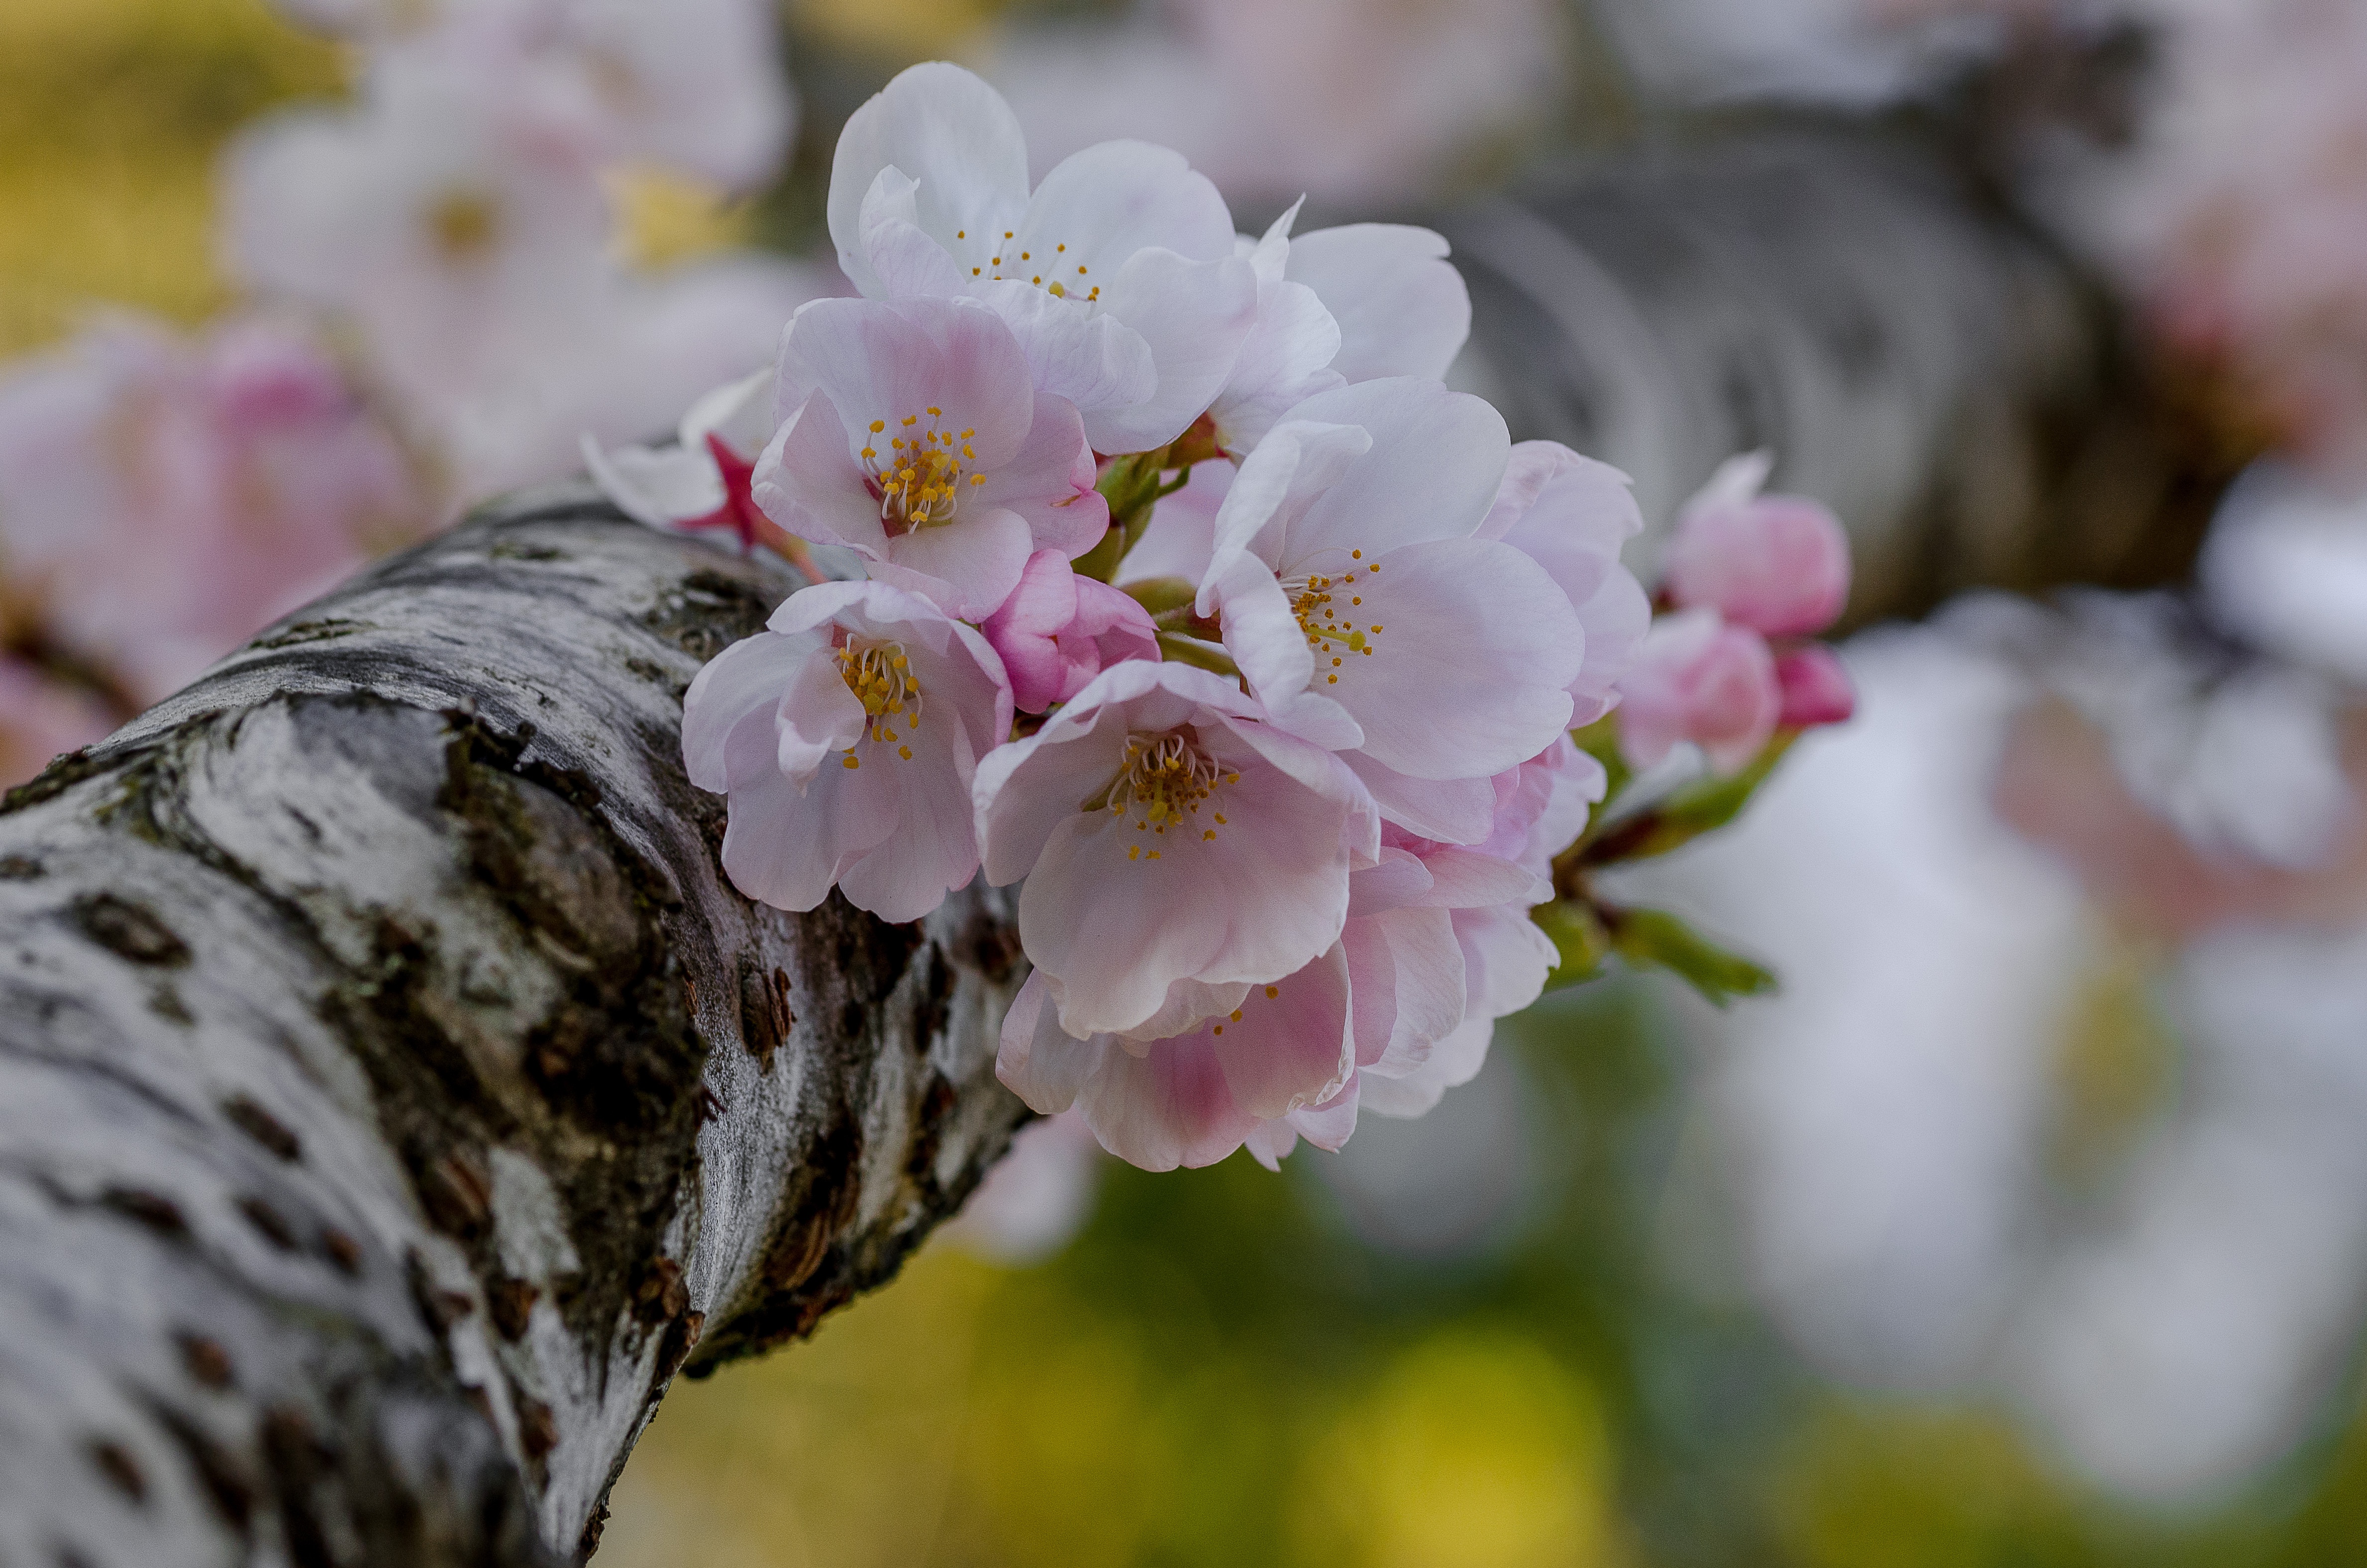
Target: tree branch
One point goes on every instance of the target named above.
(393, 1096)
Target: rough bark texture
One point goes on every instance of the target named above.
(1965, 400)
(393, 1095)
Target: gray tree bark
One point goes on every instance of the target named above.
(394, 1097)
(1970, 404)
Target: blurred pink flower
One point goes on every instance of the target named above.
(468, 243)
(41, 717)
(162, 500)
(2240, 213)
(1698, 679)
(1815, 687)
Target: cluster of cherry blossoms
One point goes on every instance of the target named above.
(1183, 592)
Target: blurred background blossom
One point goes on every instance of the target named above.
(2027, 1224)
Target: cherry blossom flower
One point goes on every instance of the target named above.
(467, 246)
(1057, 630)
(846, 736)
(1118, 271)
(1365, 616)
(1439, 945)
(1171, 836)
(706, 480)
(1695, 678)
(1190, 1098)
(913, 435)
(1570, 515)
(1335, 306)
(692, 84)
(1779, 564)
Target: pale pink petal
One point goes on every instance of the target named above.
(1036, 1061)
(1472, 649)
(1049, 482)
(1452, 1062)
(657, 486)
(1093, 360)
(1166, 1108)
(1452, 810)
(806, 481)
(905, 261)
(1291, 469)
(1288, 1045)
(784, 845)
(896, 360)
(727, 712)
(969, 566)
(1098, 207)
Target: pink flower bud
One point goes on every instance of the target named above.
(1057, 630)
(1698, 679)
(1815, 687)
(1779, 564)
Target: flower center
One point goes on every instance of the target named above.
(463, 225)
(1326, 608)
(920, 481)
(1056, 271)
(881, 678)
(1164, 783)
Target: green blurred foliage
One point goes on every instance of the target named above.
(1219, 1371)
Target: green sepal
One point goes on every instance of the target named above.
(1653, 938)
(1579, 937)
(1700, 807)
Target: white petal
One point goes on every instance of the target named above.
(1402, 308)
(1036, 1061)
(1294, 463)
(1095, 361)
(904, 259)
(1194, 316)
(1469, 673)
(1106, 202)
(659, 486)
(740, 412)
(1436, 460)
(727, 715)
(952, 133)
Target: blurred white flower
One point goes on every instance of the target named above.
(2026, 800)
(1348, 101)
